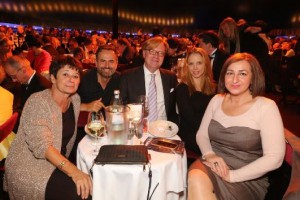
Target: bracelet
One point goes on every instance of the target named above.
(62, 164)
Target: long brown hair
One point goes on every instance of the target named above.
(207, 85)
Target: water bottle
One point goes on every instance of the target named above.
(116, 120)
(116, 100)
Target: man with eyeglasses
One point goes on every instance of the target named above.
(140, 81)
(19, 70)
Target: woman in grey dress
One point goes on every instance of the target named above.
(241, 137)
(37, 166)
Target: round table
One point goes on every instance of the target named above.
(131, 181)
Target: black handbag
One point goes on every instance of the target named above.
(122, 154)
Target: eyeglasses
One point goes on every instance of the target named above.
(159, 53)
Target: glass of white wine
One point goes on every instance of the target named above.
(96, 127)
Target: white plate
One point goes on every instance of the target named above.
(162, 128)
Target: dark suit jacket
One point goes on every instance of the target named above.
(220, 58)
(133, 84)
(37, 83)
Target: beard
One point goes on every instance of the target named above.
(106, 72)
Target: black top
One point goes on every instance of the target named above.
(68, 121)
(90, 89)
(191, 110)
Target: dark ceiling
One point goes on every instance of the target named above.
(207, 14)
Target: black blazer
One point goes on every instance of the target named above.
(219, 60)
(133, 84)
(37, 83)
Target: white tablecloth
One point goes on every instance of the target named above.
(115, 182)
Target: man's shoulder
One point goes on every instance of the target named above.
(40, 80)
(132, 71)
(89, 72)
(166, 72)
(222, 53)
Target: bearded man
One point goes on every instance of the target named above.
(98, 84)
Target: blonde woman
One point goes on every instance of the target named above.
(193, 95)
(229, 36)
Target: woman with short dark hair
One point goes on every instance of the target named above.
(37, 166)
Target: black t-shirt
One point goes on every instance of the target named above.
(90, 89)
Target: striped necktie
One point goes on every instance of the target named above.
(152, 96)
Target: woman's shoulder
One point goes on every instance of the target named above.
(75, 97)
(261, 100)
(44, 94)
(264, 103)
(218, 97)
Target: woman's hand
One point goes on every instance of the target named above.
(217, 165)
(83, 183)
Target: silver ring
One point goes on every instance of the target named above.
(216, 164)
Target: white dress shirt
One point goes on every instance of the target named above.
(161, 109)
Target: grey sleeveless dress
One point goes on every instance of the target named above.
(238, 146)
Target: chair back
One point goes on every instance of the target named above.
(8, 126)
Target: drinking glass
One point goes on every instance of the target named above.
(143, 99)
(96, 127)
(135, 119)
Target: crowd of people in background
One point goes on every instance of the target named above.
(187, 71)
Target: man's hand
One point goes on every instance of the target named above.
(93, 106)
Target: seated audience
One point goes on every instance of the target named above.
(37, 166)
(39, 58)
(171, 56)
(241, 136)
(193, 95)
(6, 47)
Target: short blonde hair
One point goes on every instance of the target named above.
(154, 42)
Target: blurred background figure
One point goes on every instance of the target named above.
(209, 41)
(171, 56)
(6, 49)
(39, 58)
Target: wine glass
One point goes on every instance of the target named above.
(143, 99)
(96, 127)
(135, 118)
